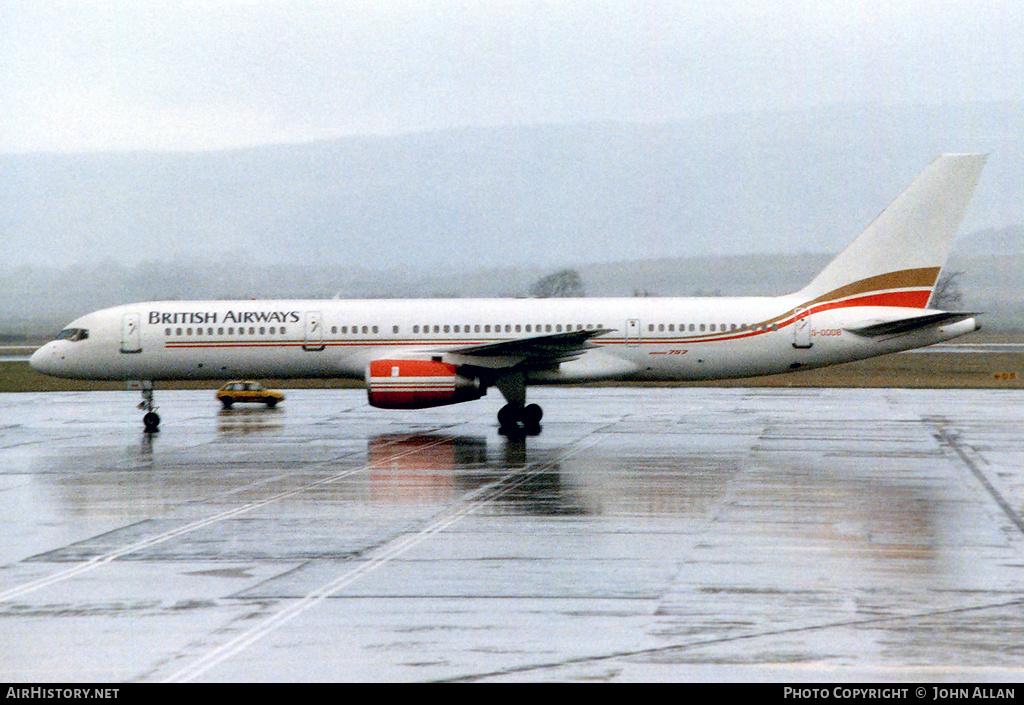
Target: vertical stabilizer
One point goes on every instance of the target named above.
(896, 261)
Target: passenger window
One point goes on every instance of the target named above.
(394, 329)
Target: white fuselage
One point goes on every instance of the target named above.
(649, 338)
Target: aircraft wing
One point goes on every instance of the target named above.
(907, 325)
(537, 351)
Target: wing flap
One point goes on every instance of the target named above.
(537, 351)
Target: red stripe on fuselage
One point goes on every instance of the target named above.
(916, 298)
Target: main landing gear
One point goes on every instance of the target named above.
(517, 417)
(526, 419)
(151, 420)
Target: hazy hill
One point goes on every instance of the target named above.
(730, 205)
(482, 198)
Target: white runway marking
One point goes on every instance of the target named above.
(472, 503)
(157, 539)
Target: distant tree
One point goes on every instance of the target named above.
(562, 284)
(947, 294)
(641, 293)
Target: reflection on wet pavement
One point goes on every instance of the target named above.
(643, 534)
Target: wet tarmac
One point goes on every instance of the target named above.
(645, 534)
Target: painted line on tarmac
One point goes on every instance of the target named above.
(154, 540)
(470, 504)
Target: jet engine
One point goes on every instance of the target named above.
(417, 384)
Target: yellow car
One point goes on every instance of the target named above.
(247, 392)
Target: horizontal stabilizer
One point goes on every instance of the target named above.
(907, 325)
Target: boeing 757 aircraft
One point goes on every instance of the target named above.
(870, 300)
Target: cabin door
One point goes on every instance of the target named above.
(633, 331)
(314, 332)
(131, 333)
(802, 330)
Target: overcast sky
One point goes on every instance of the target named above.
(94, 75)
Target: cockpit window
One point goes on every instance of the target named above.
(73, 334)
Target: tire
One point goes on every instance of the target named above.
(151, 421)
(508, 416)
(531, 415)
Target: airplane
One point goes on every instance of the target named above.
(872, 299)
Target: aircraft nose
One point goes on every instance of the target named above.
(42, 359)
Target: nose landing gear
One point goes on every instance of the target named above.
(151, 421)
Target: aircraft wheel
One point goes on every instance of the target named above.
(531, 415)
(518, 419)
(151, 421)
(508, 416)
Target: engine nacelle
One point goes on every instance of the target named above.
(417, 384)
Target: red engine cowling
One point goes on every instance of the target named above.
(417, 384)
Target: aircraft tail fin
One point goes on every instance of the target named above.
(896, 261)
